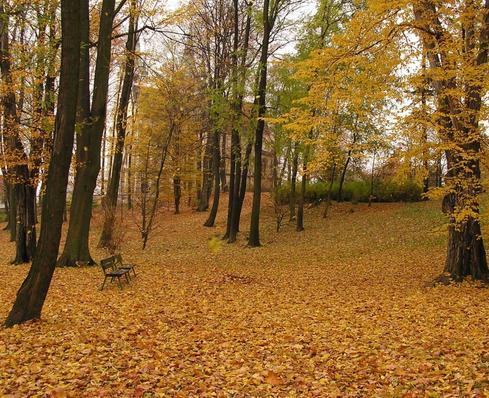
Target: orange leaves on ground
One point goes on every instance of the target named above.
(341, 310)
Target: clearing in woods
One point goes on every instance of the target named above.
(340, 310)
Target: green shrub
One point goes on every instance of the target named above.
(356, 191)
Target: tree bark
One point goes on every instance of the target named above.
(302, 197)
(458, 125)
(243, 185)
(110, 200)
(216, 154)
(254, 238)
(177, 192)
(22, 209)
(466, 255)
(330, 190)
(239, 78)
(31, 295)
(222, 163)
(89, 143)
(206, 176)
(342, 178)
(293, 183)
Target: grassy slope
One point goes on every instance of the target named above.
(339, 310)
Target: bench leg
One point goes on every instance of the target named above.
(103, 284)
(127, 277)
(119, 281)
(134, 271)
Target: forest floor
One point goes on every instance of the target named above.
(341, 310)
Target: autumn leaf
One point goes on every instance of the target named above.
(273, 378)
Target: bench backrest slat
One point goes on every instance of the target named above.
(107, 263)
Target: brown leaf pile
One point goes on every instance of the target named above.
(340, 310)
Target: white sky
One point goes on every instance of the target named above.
(172, 4)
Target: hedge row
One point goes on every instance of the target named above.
(358, 191)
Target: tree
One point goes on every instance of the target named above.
(260, 101)
(164, 132)
(91, 115)
(21, 187)
(110, 200)
(361, 69)
(458, 112)
(31, 295)
(238, 77)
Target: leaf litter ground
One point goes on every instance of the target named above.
(340, 310)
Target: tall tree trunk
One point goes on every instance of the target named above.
(239, 78)
(342, 178)
(110, 200)
(458, 125)
(25, 230)
(424, 136)
(275, 176)
(222, 163)
(12, 212)
(89, 145)
(6, 195)
(206, 175)
(466, 255)
(243, 185)
(302, 197)
(254, 238)
(31, 295)
(22, 210)
(372, 179)
(293, 183)
(129, 179)
(234, 181)
(216, 154)
(439, 173)
(148, 219)
(235, 139)
(177, 192)
(348, 160)
(330, 190)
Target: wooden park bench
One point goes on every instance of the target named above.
(120, 264)
(109, 267)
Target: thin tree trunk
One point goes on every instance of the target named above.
(293, 183)
(129, 178)
(243, 184)
(177, 192)
(110, 200)
(206, 176)
(372, 177)
(6, 193)
(302, 197)
(148, 224)
(217, 188)
(102, 166)
(330, 190)
(222, 163)
(342, 178)
(284, 167)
